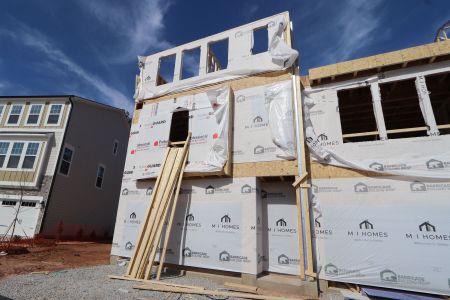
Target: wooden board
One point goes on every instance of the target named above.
(322, 171)
(400, 57)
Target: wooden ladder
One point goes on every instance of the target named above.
(163, 199)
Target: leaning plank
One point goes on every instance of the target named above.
(168, 195)
(174, 206)
(141, 230)
(159, 212)
(150, 219)
(189, 290)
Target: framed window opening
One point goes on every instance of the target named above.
(66, 160)
(14, 115)
(217, 56)
(54, 114)
(100, 176)
(166, 69)
(357, 115)
(439, 88)
(401, 109)
(34, 114)
(260, 40)
(190, 63)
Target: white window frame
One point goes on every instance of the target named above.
(60, 115)
(40, 114)
(20, 116)
(22, 155)
(6, 154)
(96, 176)
(114, 144)
(70, 147)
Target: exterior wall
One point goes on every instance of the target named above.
(33, 185)
(76, 207)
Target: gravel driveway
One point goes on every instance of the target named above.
(89, 283)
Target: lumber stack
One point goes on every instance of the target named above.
(163, 200)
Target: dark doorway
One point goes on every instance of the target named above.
(179, 127)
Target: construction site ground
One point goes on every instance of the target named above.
(52, 256)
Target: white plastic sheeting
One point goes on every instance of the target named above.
(208, 122)
(250, 225)
(387, 231)
(419, 156)
(264, 125)
(241, 61)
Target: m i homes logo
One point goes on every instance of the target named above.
(281, 226)
(225, 225)
(434, 164)
(209, 190)
(257, 123)
(187, 252)
(321, 140)
(319, 231)
(417, 187)
(332, 270)
(189, 222)
(284, 260)
(225, 256)
(428, 232)
(382, 167)
(367, 231)
(261, 150)
(132, 219)
(361, 188)
(391, 277)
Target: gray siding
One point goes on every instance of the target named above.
(76, 207)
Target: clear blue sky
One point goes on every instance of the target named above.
(89, 47)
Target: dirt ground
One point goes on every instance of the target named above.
(62, 255)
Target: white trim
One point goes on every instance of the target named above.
(24, 197)
(70, 147)
(378, 110)
(61, 114)
(42, 104)
(103, 177)
(425, 106)
(20, 115)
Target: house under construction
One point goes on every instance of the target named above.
(338, 176)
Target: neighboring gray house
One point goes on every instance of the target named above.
(61, 165)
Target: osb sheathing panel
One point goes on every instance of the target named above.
(382, 60)
(321, 171)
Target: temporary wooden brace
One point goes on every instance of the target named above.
(155, 214)
(155, 286)
(150, 234)
(169, 195)
(303, 191)
(169, 224)
(137, 247)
